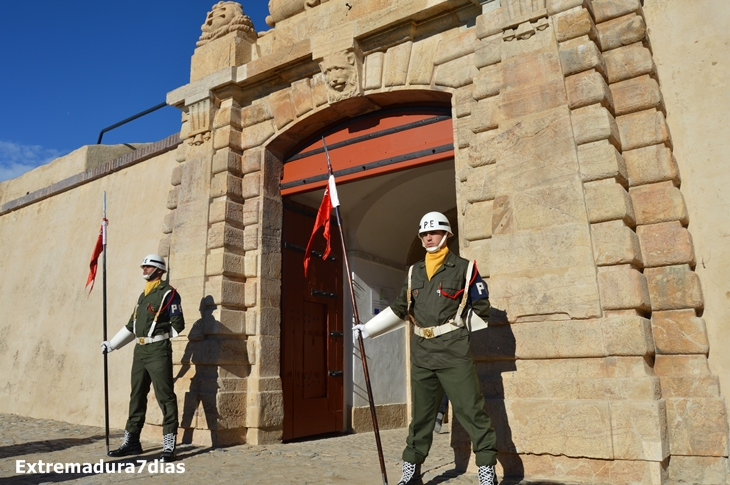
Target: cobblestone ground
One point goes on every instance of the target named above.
(350, 459)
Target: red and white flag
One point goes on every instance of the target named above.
(98, 248)
(329, 201)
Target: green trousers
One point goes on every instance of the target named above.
(152, 364)
(461, 384)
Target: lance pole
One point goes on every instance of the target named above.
(359, 334)
(106, 368)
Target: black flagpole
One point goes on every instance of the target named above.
(359, 334)
(106, 368)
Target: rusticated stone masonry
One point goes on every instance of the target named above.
(604, 73)
(568, 197)
(695, 413)
(205, 239)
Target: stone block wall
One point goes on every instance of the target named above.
(569, 199)
(647, 290)
(695, 415)
(205, 234)
(688, 44)
(223, 224)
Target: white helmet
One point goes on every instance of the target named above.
(154, 260)
(434, 221)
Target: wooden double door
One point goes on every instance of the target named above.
(311, 329)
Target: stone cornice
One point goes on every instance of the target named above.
(393, 28)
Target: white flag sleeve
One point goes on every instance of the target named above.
(333, 192)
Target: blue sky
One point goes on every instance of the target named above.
(71, 68)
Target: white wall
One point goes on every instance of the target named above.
(386, 355)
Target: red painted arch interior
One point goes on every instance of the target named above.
(416, 143)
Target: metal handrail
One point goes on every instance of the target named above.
(131, 118)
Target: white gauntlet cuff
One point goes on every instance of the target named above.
(384, 322)
(122, 338)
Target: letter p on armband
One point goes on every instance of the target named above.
(478, 289)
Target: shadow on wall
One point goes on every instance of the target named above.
(494, 353)
(203, 385)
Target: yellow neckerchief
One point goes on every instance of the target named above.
(151, 285)
(435, 260)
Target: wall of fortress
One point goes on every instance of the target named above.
(611, 271)
(51, 327)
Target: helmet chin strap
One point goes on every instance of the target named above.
(151, 276)
(436, 248)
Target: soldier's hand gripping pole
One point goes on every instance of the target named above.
(359, 339)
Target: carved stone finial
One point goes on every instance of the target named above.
(341, 74)
(224, 18)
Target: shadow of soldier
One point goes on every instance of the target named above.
(46, 446)
(494, 353)
(445, 477)
(202, 386)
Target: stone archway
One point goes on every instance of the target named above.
(387, 147)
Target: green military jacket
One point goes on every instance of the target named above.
(147, 307)
(431, 307)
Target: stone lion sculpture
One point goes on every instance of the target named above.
(224, 18)
(341, 75)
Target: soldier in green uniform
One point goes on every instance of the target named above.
(440, 297)
(156, 318)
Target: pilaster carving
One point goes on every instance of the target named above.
(200, 116)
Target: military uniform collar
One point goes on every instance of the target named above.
(449, 261)
(164, 285)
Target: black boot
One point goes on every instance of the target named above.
(168, 448)
(131, 446)
(411, 474)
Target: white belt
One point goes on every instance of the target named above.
(431, 332)
(149, 340)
